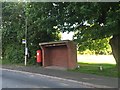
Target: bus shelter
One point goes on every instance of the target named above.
(60, 54)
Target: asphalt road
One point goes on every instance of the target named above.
(19, 79)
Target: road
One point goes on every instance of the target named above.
(19, 79)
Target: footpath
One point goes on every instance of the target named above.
(87, 79)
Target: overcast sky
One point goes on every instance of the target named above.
(66, 36)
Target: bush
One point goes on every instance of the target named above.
(13, 54)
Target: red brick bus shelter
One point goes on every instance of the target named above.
(61, 54)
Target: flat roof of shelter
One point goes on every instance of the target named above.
(55, 42)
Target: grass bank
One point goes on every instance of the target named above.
(0, 61)
(97, 69)
(88, 68)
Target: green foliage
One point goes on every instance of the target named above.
(91, 22)
(99, 46)
(14, 16)
(14, 54)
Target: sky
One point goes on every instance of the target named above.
(67, 36)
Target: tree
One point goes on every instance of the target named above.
(13, 20)
(98, 47)
(89, 21)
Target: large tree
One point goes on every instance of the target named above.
(15, 17)
(89, 21)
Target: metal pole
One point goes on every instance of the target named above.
(26, 52)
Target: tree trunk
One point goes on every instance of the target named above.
(115, 45)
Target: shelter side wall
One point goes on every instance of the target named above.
(72, 52)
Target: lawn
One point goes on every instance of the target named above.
(109, 59)
(90, 68)
(0, 61)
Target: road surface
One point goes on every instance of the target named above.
(20, 79)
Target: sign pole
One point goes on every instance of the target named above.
(26, 51)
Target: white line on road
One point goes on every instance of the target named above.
(53, 77)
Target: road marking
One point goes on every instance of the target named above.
(53, 77)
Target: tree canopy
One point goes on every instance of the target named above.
(91, 22)
(14, 17)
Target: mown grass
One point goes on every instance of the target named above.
(0, 61)
(89, 68)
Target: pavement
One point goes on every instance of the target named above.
(86, 79)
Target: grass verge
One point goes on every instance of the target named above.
(89, 68)
(0, 61)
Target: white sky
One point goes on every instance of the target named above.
(67, 36)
